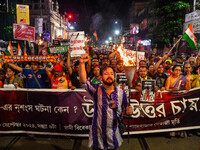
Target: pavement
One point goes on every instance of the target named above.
(141, 142)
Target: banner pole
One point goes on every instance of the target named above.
(175, 44)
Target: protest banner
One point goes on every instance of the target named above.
(148, 93)
(132, 54)
(77, 43)
(58, 49)
(70, 112)
(23, 32)
(22, 14)
(31, 58)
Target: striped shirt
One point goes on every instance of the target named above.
(105, 133)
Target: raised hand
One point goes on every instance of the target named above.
(84, 58)
(188, 77)
(165, 56)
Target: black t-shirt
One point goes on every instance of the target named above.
(75, 79)
(160, 80)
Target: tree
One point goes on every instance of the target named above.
(169, 17)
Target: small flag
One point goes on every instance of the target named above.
(25, 53)
(190, 37)
(19, 52)
(95, 35)
(9, 50)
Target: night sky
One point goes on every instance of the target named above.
(99, 15)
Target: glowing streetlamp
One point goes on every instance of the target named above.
(117, 32)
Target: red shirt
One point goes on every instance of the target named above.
(1, 84)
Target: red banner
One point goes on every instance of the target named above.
(67, 112)
(31, 58)
(23, 32)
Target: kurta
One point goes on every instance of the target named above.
(104, 133)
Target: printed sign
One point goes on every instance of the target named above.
(132, 54)
(192, 16)
(23, 32)
(77, 43)
(148, 94)
(56, 42)
(122, 82)
(23, 14)
(58, 49)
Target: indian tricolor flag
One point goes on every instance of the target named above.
(19, 51)
(25, 52)
(9, 50)
(95, 35)
(190, 37)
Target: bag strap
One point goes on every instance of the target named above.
(118, 117)
(38, 83)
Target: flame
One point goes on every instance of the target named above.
(128, 61)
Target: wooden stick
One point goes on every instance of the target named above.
(175, 44)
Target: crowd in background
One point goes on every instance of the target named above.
(170, 73)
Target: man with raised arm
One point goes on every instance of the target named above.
(109, 102)
(35, 77)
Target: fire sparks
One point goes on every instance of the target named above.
(128, 61)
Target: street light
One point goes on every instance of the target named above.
(110, 38)
(71, 27)
(117, 32)
(106, 42)
(116, 22)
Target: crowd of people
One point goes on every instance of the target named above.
(99, 76)
(170, 73)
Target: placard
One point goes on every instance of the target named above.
(77, 43)
(23, 32)
(58, 49)
(23, 14)
(148, 94)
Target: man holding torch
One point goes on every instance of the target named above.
(109, 102)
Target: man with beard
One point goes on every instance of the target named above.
(108, 103)
(142, 63)
(105, 61)
(142, 76)
(167, 68)
(160, 78)
(120, 66)
(58, 79)
(35, 77)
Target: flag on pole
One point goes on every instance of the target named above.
(190, 37)
(19, 52)
(25, 52)
(9, 49)
(95, 35)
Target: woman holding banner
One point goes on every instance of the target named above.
(12, 79)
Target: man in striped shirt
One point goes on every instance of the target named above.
(109, 102)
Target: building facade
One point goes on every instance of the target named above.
(52, 20)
